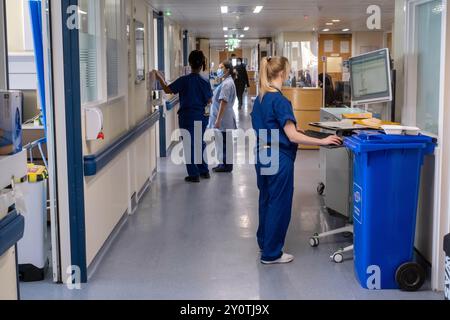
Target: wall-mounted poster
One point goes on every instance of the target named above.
(345, 46)
(328, 46)
(334, 64)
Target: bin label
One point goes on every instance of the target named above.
(357, 203)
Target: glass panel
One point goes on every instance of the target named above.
(155, 43)
(428, 51)
(112, 24)
(304, 63)
(89, 38)
(140, 52)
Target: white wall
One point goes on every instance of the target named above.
(108, 194)
(398, 39)
(19, 27)
(215, 58)
(22, 66)
(247, 54)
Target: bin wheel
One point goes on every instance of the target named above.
(338, 258)
(410, 276)
(321, 189)
(347, 235)
(314, 242)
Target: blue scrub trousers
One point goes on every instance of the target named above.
(193, 169)
(275, 208)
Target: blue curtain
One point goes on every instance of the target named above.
(36, 25)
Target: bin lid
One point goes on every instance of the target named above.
(36, 173)
(370, 141)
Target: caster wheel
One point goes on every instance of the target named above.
(410, 276)
(321, 189)
(348, 235)
(338, 258)
(314, 242)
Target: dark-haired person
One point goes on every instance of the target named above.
(195, 94)
(241, 80)
(272, 112)
(222, 116)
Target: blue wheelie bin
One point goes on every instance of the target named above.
(387, 171)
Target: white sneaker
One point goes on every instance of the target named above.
(285, 258)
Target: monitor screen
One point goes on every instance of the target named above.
(370, 77)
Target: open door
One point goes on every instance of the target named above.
(36, 33)
(53, 204)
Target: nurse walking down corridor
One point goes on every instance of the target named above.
(222, 117)
(272, 111)
(195, 94)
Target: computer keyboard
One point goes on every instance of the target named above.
(317, 134)
(321, 135)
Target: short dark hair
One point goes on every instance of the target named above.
(197, 60)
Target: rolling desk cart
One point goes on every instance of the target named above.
(11, 226)
(336, 175)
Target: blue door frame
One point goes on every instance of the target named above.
(75, 175)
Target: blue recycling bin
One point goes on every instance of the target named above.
(387, 170)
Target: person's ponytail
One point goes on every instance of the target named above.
(270, 69)
(264, 83)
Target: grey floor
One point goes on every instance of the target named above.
(198, 242)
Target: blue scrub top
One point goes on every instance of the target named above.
(272, 113)
(195, 93)
(226, 92)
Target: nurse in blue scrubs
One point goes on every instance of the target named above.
(195, 94)
(272, 111)
(222, 117)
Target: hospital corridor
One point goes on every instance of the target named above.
(205, 249)
(229, 157)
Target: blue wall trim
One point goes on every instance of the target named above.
(75, 178)
(170, 104)
(93, 164)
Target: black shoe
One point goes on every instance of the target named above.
(192, 179)
(205, 176)
(222, 169)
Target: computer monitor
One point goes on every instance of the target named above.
(370, 77)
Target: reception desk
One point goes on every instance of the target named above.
(307, 103)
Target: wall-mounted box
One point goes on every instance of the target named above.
(94, 124)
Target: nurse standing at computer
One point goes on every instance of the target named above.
(272, 112)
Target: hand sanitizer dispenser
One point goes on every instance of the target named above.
(94, 124)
